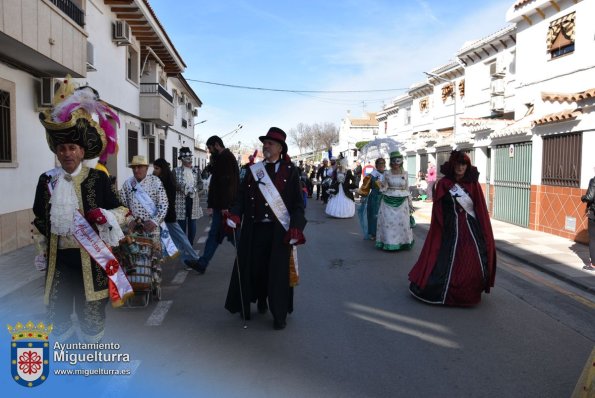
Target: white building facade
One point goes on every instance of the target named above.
(521, 103)
(120, 49)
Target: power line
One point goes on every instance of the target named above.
(297, 91)
(343, 101)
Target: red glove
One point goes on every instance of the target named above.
(95, 216)
(234, 219)
(294, 237)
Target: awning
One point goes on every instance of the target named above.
(558, 117)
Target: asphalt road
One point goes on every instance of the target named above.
(355, 332)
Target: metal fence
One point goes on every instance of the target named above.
(72, 10)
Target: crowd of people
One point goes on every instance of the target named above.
(260, 208)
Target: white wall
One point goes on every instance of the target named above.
(110, 61)
(32, 153)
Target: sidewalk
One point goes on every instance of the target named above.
(554, 255)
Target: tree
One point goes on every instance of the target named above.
(315, 137)
(300, 135)
(327, 134)
(360, 144)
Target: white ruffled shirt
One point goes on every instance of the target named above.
(64, 203)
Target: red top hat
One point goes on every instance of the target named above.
(276, 134)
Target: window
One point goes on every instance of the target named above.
(132, 144)
(132, 65)
(560, 36)
(562, 160)
(407, 116)
(8, 137)
(5, 130)
(174, 157)
(424, 105)
(162, 149)
(151, 143)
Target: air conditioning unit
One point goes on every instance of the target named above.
(498, 68)
(195, 112)
(49, 85)
(121, 33)
(497, 87)
(497, 103)
(148, 129)
(90, 58)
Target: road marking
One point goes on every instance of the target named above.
(180, 277)
(159, 313)
(202, 239)
(536, 278)
(207, 229)
(117, 384)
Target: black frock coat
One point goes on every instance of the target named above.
(249, 207)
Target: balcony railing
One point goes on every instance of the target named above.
(71, 9)
(155, 88)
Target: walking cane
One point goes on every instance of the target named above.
(237, 263)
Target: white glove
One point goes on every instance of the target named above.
(230, 223)
(293, 241)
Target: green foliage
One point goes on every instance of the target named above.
(360, 144)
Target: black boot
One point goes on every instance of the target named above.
(279, 325)
(262, 306)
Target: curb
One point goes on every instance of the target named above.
(548, 271)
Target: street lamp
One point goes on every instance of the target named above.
(233, 131)
(454, 98)
(196, 137)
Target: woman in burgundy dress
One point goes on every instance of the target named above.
(458, 260)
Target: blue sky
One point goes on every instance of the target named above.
(313, 45)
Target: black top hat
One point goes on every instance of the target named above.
(276, 134)
(184, 152)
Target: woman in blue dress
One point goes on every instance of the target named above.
(370, 199)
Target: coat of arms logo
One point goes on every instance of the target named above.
(30, 353)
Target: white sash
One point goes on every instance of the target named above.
(270, 193)
(98, 250)
(146, 201)
(89, 240)
(273, 198)
(463, 198)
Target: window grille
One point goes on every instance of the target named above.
(132, 144)
(5, 130)
(562, 160)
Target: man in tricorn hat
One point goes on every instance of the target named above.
(81, 271)
(271, 209)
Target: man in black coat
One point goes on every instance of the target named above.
(269, 229)
(223, 190)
